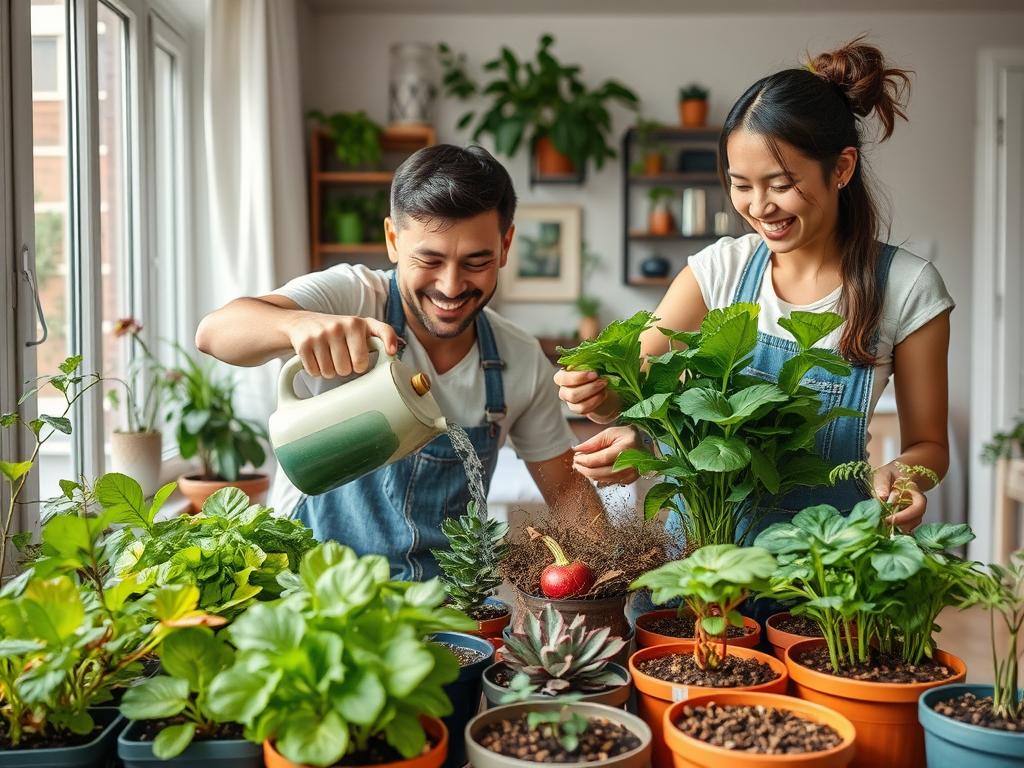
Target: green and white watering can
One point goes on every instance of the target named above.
(367, 422)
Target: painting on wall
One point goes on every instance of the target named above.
(544, 260)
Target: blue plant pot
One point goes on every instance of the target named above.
(952, 744)
(233, 753)
(98, 753)
(464, 693)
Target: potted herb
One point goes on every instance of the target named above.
(543, 104)
(470, 569)
(751, 729)
(203, 409)
(339, 667)
(711, 583)
(556, 658)
(356, 138)
(651, 160)
(660, 220)
(875, 593)
(578, 733)
(136, 450)
(983, 725)
(171, 722)
(693, 106)
(728, 440)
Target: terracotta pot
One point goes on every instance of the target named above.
(689, 752)
(884, 714)
(693, 113)
(781, 640)
(433, 758)
(481, 757)
(138, 455)
(654, 696)
(491, 629)
(616, 696)
(589, 328)
(654, 164)
(600, 612)
(660, 221)
(645, 638)
(551, 162)
(198, 491)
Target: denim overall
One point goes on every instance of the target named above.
(397, 510)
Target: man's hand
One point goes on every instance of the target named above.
(595, 457)
(336, 345)
(910, 517)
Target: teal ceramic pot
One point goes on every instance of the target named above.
(98, 753)
(952, 744)
(233, 753)
(464, 693)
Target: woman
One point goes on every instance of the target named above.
(791, 162)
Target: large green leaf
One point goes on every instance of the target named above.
(53, 609)
(942, 536)
(173, 740)
(808, 328)
(897, 559)
(240, 694)
(268, 628)
(360, 698)
(727, 342)
(748, 401)
(306, 738)
(702, 404)
(155, 698)
(654, 407)
(123, 499)
(720, 454)
(794, 369)
(657, 498)
(195, 655)
(13, 471)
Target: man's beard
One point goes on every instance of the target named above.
(429, 325)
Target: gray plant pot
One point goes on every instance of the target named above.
(485, 758)
(613, 697)
(464, 692)
(96, 754)
(230, 753)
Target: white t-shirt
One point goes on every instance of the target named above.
(914, 294)
(534, 422)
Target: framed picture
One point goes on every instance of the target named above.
(544, 260)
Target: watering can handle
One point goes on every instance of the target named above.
(286, 381)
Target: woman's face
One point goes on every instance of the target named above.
(792, 207)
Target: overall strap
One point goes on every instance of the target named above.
(884, 262)
(749, 288)
(493, 365)
(394, 314)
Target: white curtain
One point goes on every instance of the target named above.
(255, 161)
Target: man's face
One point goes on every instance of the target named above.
(447, 272)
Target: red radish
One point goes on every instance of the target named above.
(563, 579)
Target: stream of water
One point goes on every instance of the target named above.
(474, 468)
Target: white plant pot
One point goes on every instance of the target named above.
(138, 455)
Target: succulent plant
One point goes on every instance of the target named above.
(559, 658)
(470, 567)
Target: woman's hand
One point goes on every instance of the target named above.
(908, 518)
(586, 393)
(594, 457)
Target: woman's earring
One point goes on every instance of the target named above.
(841, 185)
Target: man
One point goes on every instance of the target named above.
(448, 234)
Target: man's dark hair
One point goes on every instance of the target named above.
(444, 183)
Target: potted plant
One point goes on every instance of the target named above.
(556, 658)
(693, 106)
(578, 733)
(588, 308)
(170, 719)
(727, 440)
(983, 725)
(592, 578)
(751, 729)
(340, 666)
(712, 582)
(346, 219)
(356, 138)
(875, 594)
(651, 160)
(474, 655)
(660, 220)
(136, 451)
(203, 410)
(1006, 445)
(543, 104)
(470, 569)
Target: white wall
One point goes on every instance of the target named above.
(926, 168)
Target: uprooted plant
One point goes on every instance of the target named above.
(477, 548)
(712, 583)
(899, 498)
(729, 439)
(864, 583)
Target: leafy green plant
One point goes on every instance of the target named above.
(712, 583)
(530, 100)
(369, 208)
(477, 547)
(864, 475)
(556, 658)
(1000, 589)
(693, 91)
(660, 196)
(72, 384)
(355, 136)
(145, 374)
(339, 660)
(588, 306)
(189, 659)
(864, 583)
(1005, 445)
(565, 724)
(729, 439)
(202, 407)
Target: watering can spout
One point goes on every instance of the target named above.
(441, 424)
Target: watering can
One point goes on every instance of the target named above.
(369, 421)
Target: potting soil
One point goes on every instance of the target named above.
(759, 729)
(881, 668)
(682, 669)
(973, 710)
(601, 741)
